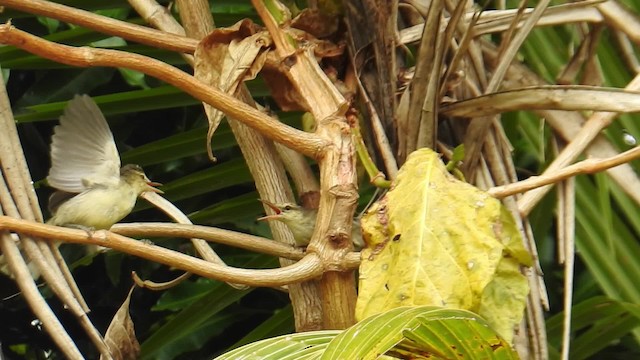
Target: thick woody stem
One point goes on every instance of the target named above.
(338, 189)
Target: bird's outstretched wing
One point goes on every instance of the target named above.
(83, 152)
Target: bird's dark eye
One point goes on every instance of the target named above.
(288, 207)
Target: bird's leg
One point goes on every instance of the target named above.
(88, 229)
(91, 250)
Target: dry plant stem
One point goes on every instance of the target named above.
(618, 17)
(549, 97)
(566, 244)
(165, 205)
(628, 52)
(338, 193)
(25, 281)
(477, 130)
(589, 166)
(501, 170)
(196, 18)
(596, 123)
(494, 21)
(266, 169)
(14, 259)
(156, 286)
(462, 51)
(301, 141)
(46, 264)
(569, 124)
(219, 236)
(201, 246)
(324, 100)
(307, 268)
(381, 139)
(299, 170)
(29, 208)
(271, 182)
(35, 300)
(424, 86)
(376, 177)
(295, 163)
(331, 238)
(538, 294)
(104, 24)
(158, 16)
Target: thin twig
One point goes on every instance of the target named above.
(566, 250)
(569, 124)
(592, 128)
(220, 236)
(103, 24)
(555, 97)
(495, 21)
(307, 268)
(158, 16)
(475, 136)
(588, 166)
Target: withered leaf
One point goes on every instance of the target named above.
(436, 240)
(226, 58)
(121, 337)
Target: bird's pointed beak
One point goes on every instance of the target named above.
(152, 186)
(273, 207)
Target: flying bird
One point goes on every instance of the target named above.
(94, 192)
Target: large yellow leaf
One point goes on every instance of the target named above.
(435, 240)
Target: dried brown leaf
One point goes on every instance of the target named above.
(121, 336)
(316, 23)
(226, 58)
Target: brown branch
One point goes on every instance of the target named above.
(307, 268)
(220, 236)
(227, 237)
(306, 143)
(588, 166)
(204, 250)
(161, 18)
(103, 24)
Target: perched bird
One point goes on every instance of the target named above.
(93, 191)
(302, 221)
(85, 161)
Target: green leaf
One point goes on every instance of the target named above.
(185, 144)
(165, 341)
(217, 177)
(307, 345)
(281, 322)
(424, 331)
(435, 332)
(596, 324)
